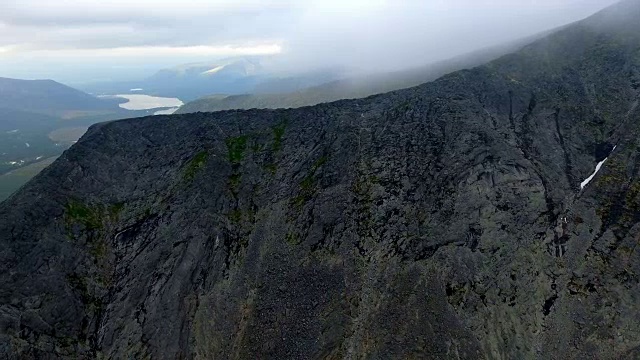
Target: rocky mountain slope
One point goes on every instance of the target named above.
(443, 221)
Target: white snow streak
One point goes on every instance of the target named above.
(214, 70)
(588, 180)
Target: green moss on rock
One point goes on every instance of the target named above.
(278, 134)
(234, 182)
(78, 213)
(236, 147)
(235, 216)
(308, 186)
(293, 239)
(195, 165)
(271, 168)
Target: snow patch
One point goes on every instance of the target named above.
(12, 131)
(598, 167)
(136, 90)
(214, 70)
(27, 144)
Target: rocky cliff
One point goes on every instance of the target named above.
(443, 221)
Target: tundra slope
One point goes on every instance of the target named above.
(443, 221)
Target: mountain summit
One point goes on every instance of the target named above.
(492, 213)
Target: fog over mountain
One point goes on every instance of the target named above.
(91, 40)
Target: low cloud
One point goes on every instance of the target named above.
(155, 51)
(124, 38)
(400, 34)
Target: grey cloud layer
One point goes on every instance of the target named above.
(413, 33)
(104, 27)
(365, 34)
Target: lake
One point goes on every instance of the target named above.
(146, 102)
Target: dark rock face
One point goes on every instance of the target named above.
(444, 221)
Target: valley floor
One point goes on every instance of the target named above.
(12, 181)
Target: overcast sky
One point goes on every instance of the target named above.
(92, 40)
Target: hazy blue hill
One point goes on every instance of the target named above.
(229, 76)
(49, 97)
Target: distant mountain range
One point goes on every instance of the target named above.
(50, 97)
(248, 82)
(229, 76)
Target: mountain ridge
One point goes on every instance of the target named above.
(441, 221)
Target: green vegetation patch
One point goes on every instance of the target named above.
(257, 147)
(78, 213)
(98, 249)
(80, 284)
(271, 168)
(90, 225)
(318, 163)
(293, 239)
(307, 190)
(278, 134)
(234, 182)
(235, 216)
(195, 164)
(237, 146)
(115, 210)
(308, 184)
